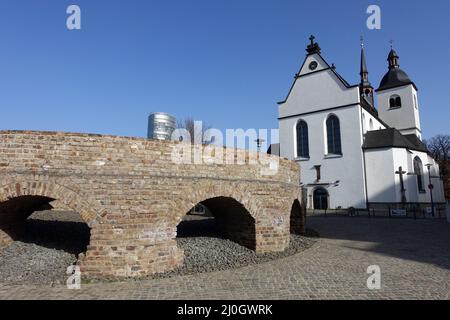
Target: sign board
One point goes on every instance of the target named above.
(398, 212)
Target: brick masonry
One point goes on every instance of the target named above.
(133, 196)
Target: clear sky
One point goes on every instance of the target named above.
(226, 62)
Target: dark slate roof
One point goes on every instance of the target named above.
(363, 66)
(369, 108)
(395, 77)
(420, 146)
(392, 54)
(392, 138)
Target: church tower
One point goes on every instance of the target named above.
(397, 99)
(365, 88)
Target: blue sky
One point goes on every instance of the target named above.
(226, 62)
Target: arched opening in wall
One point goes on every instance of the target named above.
(38, 242)
(320, 198)
(297, 223)
(221, 218)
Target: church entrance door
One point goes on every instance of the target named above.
(320, 199)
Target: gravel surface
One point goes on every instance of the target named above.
(51, 243)
(53, 240)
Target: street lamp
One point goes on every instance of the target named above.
(430, 186)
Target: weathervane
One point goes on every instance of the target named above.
(392, 43)
(361, 39)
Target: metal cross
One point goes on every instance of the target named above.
(400, 172)
(312, 39)
(392, 43)
(259, 143)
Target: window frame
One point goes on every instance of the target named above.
(395, 102)
(418, 166)
(305, 147)
(336, 135)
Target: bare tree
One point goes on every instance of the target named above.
(196, 133)
(439, 147)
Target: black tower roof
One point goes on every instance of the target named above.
(395, 77)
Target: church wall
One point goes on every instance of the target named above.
(401, 118)
(306, 94)
(380, 175)
(348, 169)
(320, 64)
(403, 158)
(438, 191)
(384, 184)
(376, 125)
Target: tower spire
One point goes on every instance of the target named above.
(366, 89)
(364, 72)
(393, 58)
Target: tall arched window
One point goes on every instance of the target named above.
(302, 139)
(395, 101)
(418, 171)
(370, 124)
(333, 135)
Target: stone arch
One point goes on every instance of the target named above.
(297, 218)
(206, 191)
(50, 190)
(234, 212)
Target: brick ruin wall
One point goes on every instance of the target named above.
(133, 195)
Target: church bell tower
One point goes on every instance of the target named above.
(397, 99)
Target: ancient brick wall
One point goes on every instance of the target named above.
(132, 194)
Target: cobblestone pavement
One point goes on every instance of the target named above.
(414, 257)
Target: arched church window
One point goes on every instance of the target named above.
(418, 171)
(370, 124)
(395, 101)
(302, 139)
(333, 135)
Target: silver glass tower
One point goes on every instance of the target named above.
(160, 126)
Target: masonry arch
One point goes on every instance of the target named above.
(232, 221)
(29, 196)
(297, 219)
(25, 216)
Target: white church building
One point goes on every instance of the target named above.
(353, 154)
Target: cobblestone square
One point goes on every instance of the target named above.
(413, 255)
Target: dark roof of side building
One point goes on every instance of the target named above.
(420, 146)
(392, 138)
